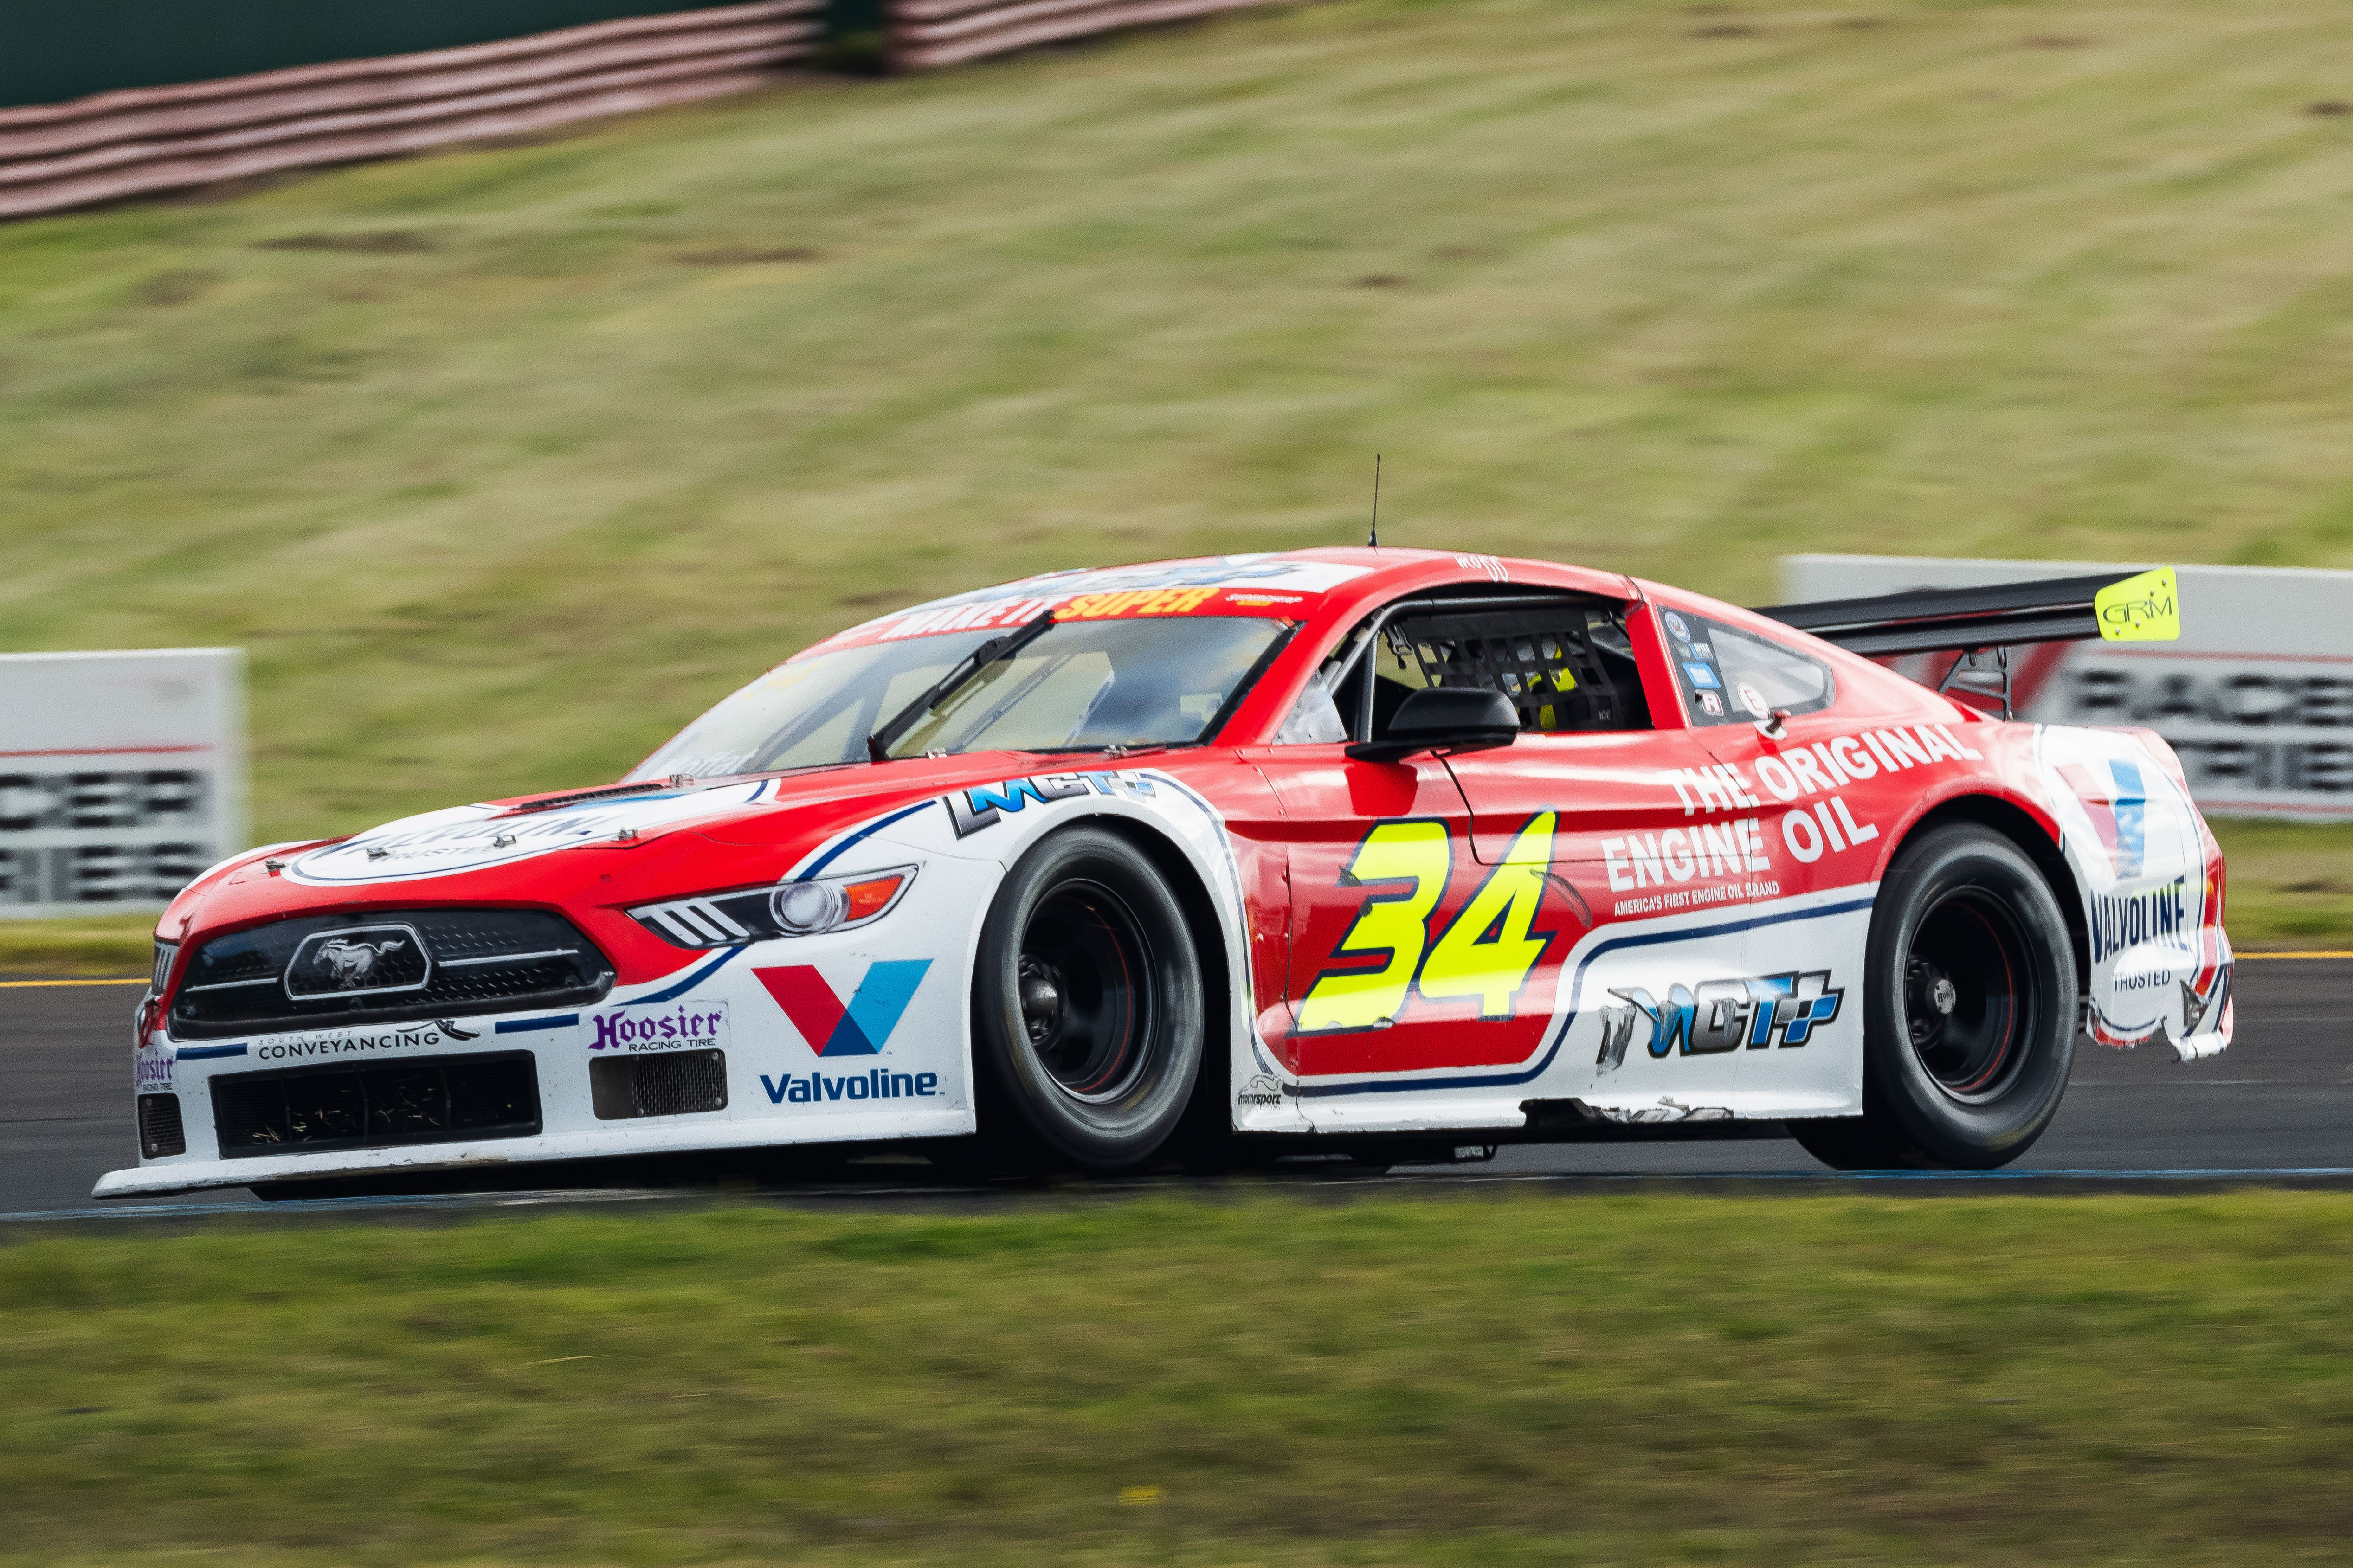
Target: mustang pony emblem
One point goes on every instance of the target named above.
(352, 962)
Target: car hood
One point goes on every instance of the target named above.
(608, 845)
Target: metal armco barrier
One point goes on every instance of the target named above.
(145, 140)
(925, 34)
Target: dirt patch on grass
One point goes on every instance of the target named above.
(177, 287)
(378, 242)
(750, 256)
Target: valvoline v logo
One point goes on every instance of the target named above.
(858, 1027)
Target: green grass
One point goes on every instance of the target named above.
(1620, 1379)
(523, 455)
(498, 504)
(2290, 884)
(91, 945)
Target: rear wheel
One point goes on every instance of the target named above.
(1969, 1012)
(1087, 1005)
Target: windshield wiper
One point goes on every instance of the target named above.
(879, 744)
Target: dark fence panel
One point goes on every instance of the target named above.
(210, 120)
(118, 144)
(929, 32)
(51, 50)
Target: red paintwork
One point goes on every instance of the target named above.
(1293, 813)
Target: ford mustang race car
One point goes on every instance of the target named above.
(1386, 853)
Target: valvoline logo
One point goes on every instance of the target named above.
(858, 1027)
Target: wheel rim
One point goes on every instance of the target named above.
(1964, 1003)
(1085, 1000)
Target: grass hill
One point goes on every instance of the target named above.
(505, 461)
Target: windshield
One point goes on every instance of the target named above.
(1081, 685)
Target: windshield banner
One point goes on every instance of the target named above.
(1213, 585)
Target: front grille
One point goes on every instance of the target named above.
(388, 966)
(670, 1084)
(434, 1099)
(160, 1132)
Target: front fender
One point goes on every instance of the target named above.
(994, 825)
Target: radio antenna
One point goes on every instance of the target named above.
(1373, 540)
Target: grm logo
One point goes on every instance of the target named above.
(860, 1028)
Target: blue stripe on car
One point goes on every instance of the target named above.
(687, 985)
(830, 856)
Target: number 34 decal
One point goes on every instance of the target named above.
(1487, 950)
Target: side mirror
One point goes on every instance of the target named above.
(1444, 718)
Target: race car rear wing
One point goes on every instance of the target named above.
(2130, 607)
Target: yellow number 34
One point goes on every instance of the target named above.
(1487, 950)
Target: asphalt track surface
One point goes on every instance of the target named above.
(2278, 1106)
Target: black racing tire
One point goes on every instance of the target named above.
(1087, 1008)
(1969, 1012)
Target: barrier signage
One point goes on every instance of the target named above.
(2256, 695)
(122, 776)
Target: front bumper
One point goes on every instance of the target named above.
(758, 1081)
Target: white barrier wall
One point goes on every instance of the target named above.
(2257, 696)
(122, 776)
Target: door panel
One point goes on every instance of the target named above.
(1407, 953)
(1661, 849)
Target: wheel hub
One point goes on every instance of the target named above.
(1080, 981)
(1929, 997)
(1962, 995)
(1041, 998)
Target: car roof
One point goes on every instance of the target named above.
(1293, 584)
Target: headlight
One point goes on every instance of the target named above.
(807, 907)
(804, 909)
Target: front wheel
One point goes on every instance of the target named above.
(1087, 1010)
(1969, 1012)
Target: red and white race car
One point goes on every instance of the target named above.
(1383, 852)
